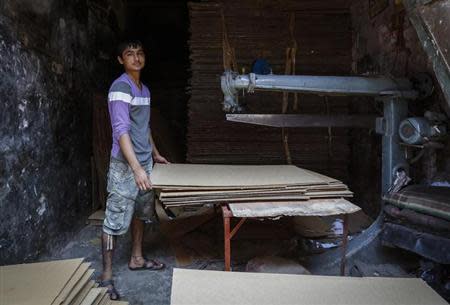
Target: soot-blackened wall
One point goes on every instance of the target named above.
(51, 59)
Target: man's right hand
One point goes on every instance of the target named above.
(141, 178)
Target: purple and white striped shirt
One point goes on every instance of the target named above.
(129, 111)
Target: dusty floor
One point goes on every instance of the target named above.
(202, 249)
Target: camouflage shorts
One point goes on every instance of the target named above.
(125, 200)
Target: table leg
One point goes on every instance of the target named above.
(344, 244)
(226, 237)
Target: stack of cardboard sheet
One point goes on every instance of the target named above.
(60, 282)
(199, 184)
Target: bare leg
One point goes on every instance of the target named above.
(107, 262)
(137, 260)
(137, 233)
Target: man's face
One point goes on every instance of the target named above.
(132, 59)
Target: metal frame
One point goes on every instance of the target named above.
(228, 235)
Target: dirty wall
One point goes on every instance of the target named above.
(52, 56)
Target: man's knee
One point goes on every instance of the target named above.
(118, 214)
(145, 207)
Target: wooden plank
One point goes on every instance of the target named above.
(283, 289)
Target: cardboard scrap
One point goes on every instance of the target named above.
(314, 207)
(265, 288)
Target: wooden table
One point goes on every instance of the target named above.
(317, 207)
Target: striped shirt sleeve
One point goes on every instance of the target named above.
(119, 100)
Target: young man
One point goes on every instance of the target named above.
(130, 199)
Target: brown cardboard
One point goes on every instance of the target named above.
(202, 287)
(100, 296)
(35, 284)
(232, 175)
(78, 274)
(83, 293)
(91, 296)
(79, 287)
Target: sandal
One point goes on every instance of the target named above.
(112, 291)
(155, 265)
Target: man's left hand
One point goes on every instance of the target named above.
(160, 159)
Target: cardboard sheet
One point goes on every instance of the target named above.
(71, 283)
(24, 284)
(83, 293)
(232, 175)
(100, 296)
(169, 195)
(79, 286)
(91, 297)
(313, 207)
(218, 287)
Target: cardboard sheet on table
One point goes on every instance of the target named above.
(233, 175)
(175, 188)
(240, 199)
(313, 207)
(274, 196)
(168, 195)
(37, 283)
(284, 289)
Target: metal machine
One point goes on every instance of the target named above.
(399, 134)
(394, 93)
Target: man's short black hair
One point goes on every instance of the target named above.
(130, 43)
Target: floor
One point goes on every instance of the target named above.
(178, 246)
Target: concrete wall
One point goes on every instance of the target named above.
(53, 55)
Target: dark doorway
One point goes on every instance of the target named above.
(163, 26)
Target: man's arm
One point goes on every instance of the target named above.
(140, 176)
(155, 153)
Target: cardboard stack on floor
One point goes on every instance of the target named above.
(199, 184)
(61, 282)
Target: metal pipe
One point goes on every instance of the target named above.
(323, 85)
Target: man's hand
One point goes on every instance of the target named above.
(141, 178)
(160, 159)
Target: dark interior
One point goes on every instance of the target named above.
(57, 61)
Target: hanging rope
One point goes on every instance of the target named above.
(229, 58)
(330, 136)
(289, 69)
